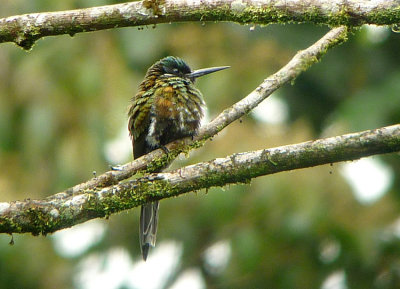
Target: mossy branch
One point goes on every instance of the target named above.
(104, 195)
(25, 29)
(57, 212)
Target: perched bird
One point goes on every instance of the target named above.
(167, 107)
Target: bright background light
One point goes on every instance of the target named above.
(337, 280)
(273, 110)
(115, 268)
(119, 149)
(217, 256)
(189, 279)
(75, 241)
(377, 34)
(369, 178)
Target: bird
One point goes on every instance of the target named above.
(167, 107)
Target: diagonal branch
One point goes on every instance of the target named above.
(25, 29)
(53, 213)
(299, 63)
(97, 198)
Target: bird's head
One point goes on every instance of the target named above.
(172, 66)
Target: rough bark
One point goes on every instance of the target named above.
(24, 30)
(58, 211)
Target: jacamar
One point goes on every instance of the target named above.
(167, 107)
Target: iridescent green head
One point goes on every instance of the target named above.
(175, 66)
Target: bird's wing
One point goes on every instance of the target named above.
(138, 114)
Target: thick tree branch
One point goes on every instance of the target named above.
(156, 159)
(54, 213)
(24, 30)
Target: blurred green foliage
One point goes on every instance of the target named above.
(62, 102)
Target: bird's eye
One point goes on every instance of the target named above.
(175, 70)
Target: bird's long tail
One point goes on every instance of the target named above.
(148, 227)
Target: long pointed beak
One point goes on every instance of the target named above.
(204, 71)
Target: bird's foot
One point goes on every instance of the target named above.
(165, 149)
